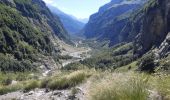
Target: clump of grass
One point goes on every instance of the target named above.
(30, 85)
(10, 88)
(59, 83)
(68, 81)
(6, 78)
(162, 85)
(44, 83)
(119, 87)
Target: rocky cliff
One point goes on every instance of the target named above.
(109, 21)
(150, 25)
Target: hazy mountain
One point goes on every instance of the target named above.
(83, 20)
(70, 22)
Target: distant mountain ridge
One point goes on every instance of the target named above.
(71, 24)
(108, 22)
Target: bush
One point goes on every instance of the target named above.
(8, 64)
(147, 63)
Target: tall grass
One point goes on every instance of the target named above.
(10, 88)
(119, 87)
(68, 81)
(30, 85)
(162, 86)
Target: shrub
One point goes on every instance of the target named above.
(147, 63)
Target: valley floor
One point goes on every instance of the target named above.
(89, 84)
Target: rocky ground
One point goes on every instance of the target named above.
(43, 94)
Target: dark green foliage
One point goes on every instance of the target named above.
(147, 63)
(10, 64)
(16, 30)
(26, 29)
(74, 66)
(65, 57)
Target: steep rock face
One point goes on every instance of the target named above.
(72, 25)
(26, 30)
(154, 25)
(164, 49)
(108, 23)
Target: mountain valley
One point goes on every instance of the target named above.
(121, 53)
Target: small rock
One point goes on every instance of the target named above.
(58, 93)
(30, 93)
(47, 90)
(14, 82)
(154, 95)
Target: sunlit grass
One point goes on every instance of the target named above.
(161, 84)
(104, 85)
(119, 87)
(30, 85)
(10, 88)
(68, 81)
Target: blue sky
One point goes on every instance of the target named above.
(78, 8)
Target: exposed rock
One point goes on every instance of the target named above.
(154, 95)
(164, 48)
(57, 93)
(14, 82)
(154, 19)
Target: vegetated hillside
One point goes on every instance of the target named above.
(27, 28)
(111, 18)
(71, 24)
